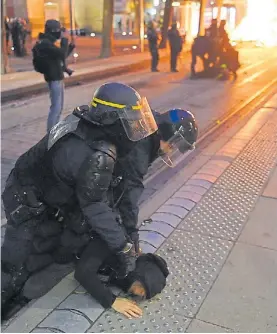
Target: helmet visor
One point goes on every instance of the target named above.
(171, 149)
(138, 121)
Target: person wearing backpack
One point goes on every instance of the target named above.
(49, 60)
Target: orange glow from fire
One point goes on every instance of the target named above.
(260, 23)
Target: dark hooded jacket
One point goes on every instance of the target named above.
(151, 270)
(54, 56)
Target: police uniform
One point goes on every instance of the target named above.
(70, 169)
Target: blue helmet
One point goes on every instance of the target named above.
(178, 128)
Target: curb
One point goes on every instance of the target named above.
(78, 79)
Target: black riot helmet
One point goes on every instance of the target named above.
(118, 103)
(178, 129)
(53, 27)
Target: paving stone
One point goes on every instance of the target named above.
(201, 183)
(271, 188)
(153, 238)
(155, 320)
(159, 227)
(243, 297)
(232, 148)
(184, 203)
(261, 227)
(45, 330)
(67, 321)
(188, 195)
(146, 247)
(215, 165)
(43, 306)
(167, 218)
(200, 190)
(202, 176)
(211, 170)
(84, 303)
(172, 209)
(198, 326)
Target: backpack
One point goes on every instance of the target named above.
(40, 60)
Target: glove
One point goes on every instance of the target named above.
(127, 261)
(138, 250)
(134, 236)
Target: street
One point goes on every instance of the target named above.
(207, 99)
(214, 217)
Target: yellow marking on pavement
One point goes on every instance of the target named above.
(252, 77)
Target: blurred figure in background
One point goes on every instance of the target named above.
(223, 35)
(49, 60)
(153, 39)
(176, 44)
(8, 32)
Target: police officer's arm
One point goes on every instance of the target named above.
(134, 167)
(93, 180)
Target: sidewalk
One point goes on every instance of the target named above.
(20, 84)
(215, 224)
(88, 49)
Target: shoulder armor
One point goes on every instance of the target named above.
(68, 125)
(104, 147)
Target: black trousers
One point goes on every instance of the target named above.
(155, 58)
(173, 59)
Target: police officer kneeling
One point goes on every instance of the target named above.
(177, 134)
(70, 168)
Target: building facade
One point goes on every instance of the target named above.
(88, 14)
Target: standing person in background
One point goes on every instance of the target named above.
(119, 24)
(153, 39)
(223, 35)
(49, 60)
(176, 44)
(8, 32)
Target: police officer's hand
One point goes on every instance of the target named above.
(127, 261)
(127, 308)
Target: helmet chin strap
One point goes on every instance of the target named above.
(168, 161)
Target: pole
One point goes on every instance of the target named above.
(219, 7)
(107, 30)
(201, 27)
(72, 20)
(141, 24)
(166, 22)
(4, 54)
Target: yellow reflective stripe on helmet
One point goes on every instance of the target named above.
(110, 104)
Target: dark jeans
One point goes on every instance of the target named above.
(173, 59)
(155, 58)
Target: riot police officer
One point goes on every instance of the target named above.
(177, 132)
(153, 40)
(71, 167)
(175, 42)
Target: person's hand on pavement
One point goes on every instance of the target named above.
(127, 307)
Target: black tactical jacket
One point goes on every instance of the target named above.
(72, 168)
